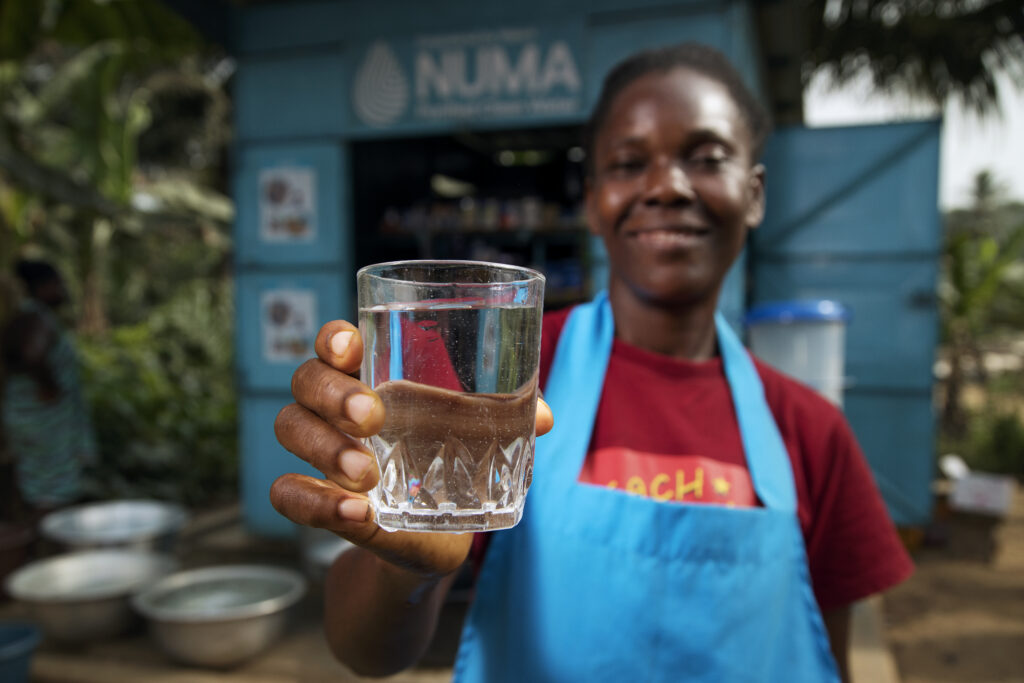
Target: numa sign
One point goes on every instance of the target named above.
(511, 73)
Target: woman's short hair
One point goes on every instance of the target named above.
(701, 58)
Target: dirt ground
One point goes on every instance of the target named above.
(960, 617)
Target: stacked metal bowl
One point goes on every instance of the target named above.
(220, 616)
(117, 569)
(15, 546)
(112, 550)
(84, 596)
(140, 524)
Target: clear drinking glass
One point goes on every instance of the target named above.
(452, 348)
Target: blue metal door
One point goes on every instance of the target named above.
(852, 215)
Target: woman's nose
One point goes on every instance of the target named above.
(667, 183)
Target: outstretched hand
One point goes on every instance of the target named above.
(332, 411)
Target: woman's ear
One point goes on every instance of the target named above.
(755, 208)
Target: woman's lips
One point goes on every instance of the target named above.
(668, 238)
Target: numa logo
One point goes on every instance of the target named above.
(508, 73)
(381, 92)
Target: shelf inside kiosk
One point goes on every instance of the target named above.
(506, 196)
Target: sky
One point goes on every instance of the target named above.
(968, 144)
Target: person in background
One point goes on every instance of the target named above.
(694, 514)
(10, 500)
(46, 422)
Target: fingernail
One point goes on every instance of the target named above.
(355, 464)
(340, 342)
(354, 509)
(358, 407)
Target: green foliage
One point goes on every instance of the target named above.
(20, 25)
(994, 442)
(164, 403)
(147, 24)
(977, 269)
(980, 291)
(148, 269)
(81, 83)
(985, 269)
(1003, 445)
(77, 79)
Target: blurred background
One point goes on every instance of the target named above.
(206, 178)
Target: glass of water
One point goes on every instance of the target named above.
(452, 349)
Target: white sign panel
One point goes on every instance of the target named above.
(288, 324)
(983, 493)
(287, 204)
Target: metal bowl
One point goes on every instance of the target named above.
(15, 543)
(320, 548)
(83, 596)
(140, 524)
(220, 616)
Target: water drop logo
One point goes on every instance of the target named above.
(381, 92)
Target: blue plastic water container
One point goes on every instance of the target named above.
(18, 642)
(804, 339)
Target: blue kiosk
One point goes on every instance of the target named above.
(376, 131)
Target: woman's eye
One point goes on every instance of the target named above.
(709, 157)
(627, 165)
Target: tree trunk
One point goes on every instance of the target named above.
(92, 262)
(953, 421)
(9, 287)
(978, 356)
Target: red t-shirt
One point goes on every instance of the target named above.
(666, 428)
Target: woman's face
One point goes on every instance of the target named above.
(673, 191)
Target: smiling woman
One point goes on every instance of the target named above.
(680, 473)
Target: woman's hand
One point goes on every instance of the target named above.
(332, 411)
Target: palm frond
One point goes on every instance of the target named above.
(934, 50)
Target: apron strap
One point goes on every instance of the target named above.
(580, 363)
(767, 459)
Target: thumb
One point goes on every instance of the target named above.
(545, 420)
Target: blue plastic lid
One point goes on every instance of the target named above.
(18, 639)
(793, 311)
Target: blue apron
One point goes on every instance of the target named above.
(595, 584)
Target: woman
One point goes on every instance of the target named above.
(44, 415)
(757, 523)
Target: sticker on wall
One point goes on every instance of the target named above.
(288, 204)
(288, 324)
